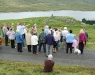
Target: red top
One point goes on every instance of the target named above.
(82, 37)
(0, 41)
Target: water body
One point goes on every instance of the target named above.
(79, 15)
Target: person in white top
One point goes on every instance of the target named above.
(56, 39)
(64, 34)
(34, 43)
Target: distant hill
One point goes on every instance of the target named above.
(34, 5)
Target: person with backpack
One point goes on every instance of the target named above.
(42, 41)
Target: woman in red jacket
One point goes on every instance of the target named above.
(82, 39)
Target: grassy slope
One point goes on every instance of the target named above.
(35, 5)
(22, 68)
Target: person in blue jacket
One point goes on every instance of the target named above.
(19, 40)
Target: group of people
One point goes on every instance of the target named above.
(49, 38)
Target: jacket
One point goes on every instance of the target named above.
(49, 39)
(18, 38)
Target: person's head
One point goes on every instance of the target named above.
(49, 32)
(81, 31)
(65, 28)
(50, 57)
(34, 33)
(35, 24)
(10, 29)
(46, 27)
(56, 29)
(70, 31)
(42, 29)
(49, 27)
(56, 32)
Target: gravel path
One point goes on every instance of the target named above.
(87, 59)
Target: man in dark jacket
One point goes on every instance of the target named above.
(48, 64)
(49, 41)
(42, 41)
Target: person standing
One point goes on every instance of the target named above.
(46, 29)
(69, 41)
(21, 27)
(48, 64)
(64, 34)
(49, 41)
(19, 40)
(28, 38)
(2, 33)
(56, 39)
(82, 39)
(5, 30)
(34, 43)
(42, 41)
(86, 33)
(34, 29)
(75, 42)
(11, 36)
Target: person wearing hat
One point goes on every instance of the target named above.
(64, 34)
(48, 64)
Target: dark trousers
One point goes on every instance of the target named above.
(19, 47)
(55, 45)
(29, 48)
(12, 43)
(6, 40)
(69, 45)
(81, 47)
(23, 40)
(34, 49)
(44, 47)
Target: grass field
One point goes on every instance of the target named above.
(23, 68)
(58, 22)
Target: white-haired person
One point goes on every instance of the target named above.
(48, 64)
(64, 34)
(19, 40)
(82, 39)
(49, 41)
(46, 29)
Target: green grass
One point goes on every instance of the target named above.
(58, 22)
(25, 68)
(43, 5)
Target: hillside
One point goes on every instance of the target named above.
(36, 5)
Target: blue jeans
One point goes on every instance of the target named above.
(44, 47)
(49, 49)
(23, 40)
